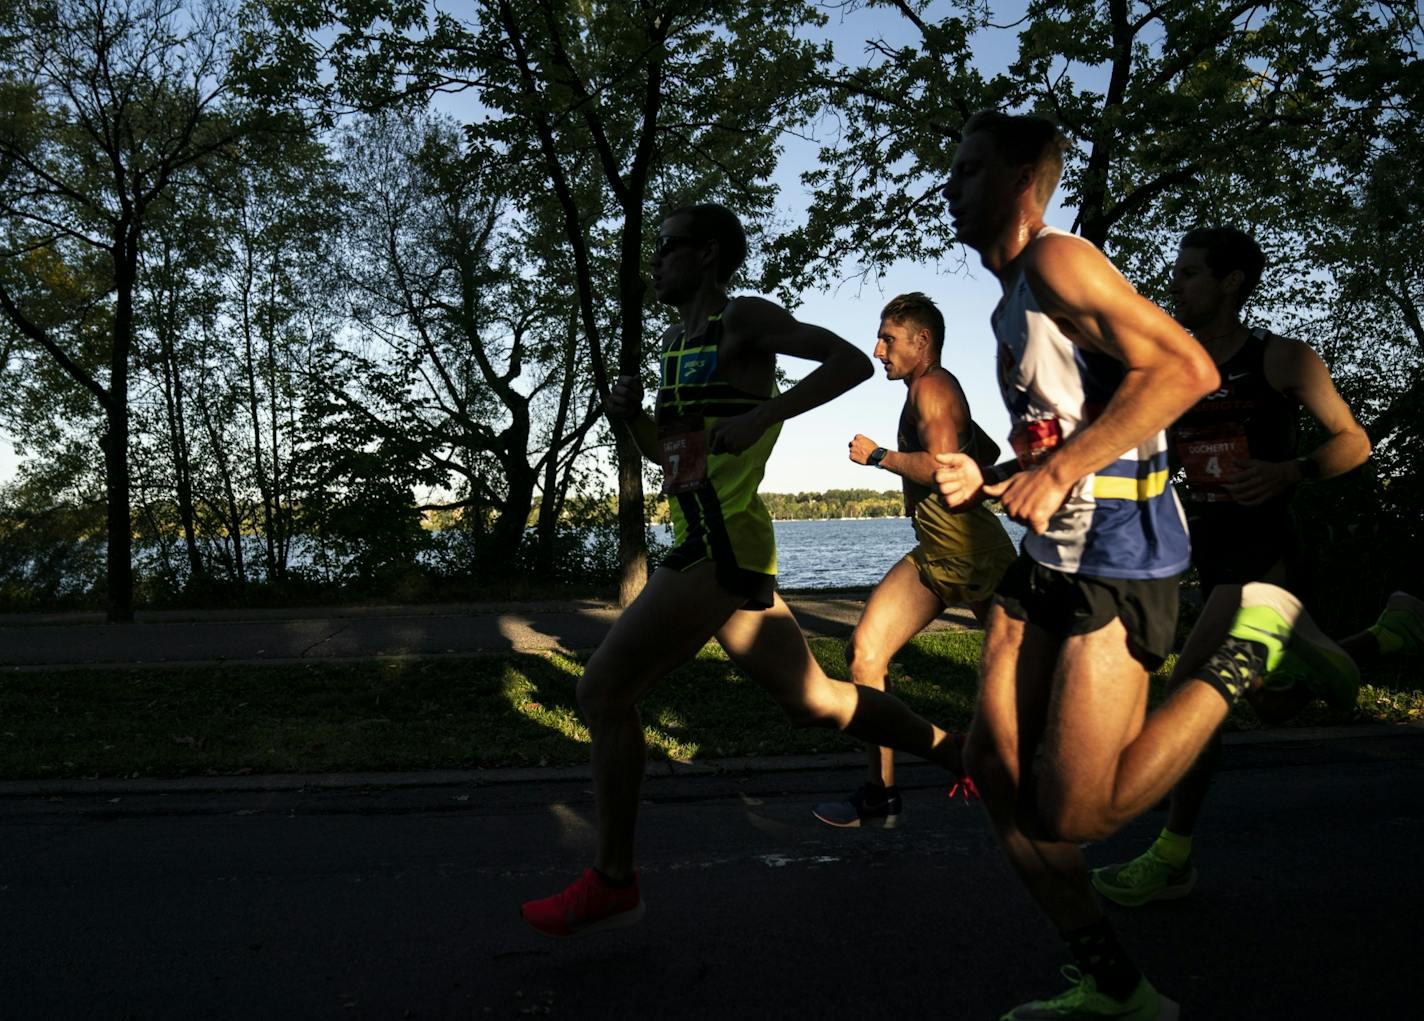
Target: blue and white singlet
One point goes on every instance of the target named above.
(1122, 521)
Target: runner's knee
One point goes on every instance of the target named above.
(867, 661)
(1075, 817)
(995, 774)
(602, 692)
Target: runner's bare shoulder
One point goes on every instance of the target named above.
(940, 411)
(1067, 268)
(936, 393)
(748, 318)
(1082, 292)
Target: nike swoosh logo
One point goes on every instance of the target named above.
(1237, 375)
(1280, 636)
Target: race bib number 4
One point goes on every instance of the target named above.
(683, 445)
(1208, 455)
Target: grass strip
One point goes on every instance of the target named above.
(503, 710)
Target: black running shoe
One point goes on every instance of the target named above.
(872, 805)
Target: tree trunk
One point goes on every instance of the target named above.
(234, 515)
(632, 535)
(178, 440)
(114, 443)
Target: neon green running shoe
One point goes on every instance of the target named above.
(1147, 877)
(1297, 652)
(1083, 1001)
(1400, 627)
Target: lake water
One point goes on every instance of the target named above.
(845, 553)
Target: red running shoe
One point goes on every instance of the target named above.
(587, 906)
(964, 789)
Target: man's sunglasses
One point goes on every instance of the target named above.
(665, 243)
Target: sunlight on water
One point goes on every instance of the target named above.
(846, 553)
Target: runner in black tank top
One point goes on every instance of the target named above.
(1247, 417)
(1238, 451)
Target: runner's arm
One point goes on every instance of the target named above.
(941, 417)
(1296, 370)
(625, 404)
(645, 435)
(765, 328)
(1165, 370)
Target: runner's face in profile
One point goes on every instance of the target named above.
(900, 347)
(1197, 295)
(979, 191)
(677, 261)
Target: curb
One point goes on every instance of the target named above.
(280, 782)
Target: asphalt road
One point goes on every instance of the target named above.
(378, 901)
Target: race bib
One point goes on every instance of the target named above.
(1034, 441)
(682, 443)
(1208, 454)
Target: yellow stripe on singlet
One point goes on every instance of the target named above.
(1115, 487)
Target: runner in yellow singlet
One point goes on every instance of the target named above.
(717, 417)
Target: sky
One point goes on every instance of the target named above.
(811, 455)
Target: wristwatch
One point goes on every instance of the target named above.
(876, 456)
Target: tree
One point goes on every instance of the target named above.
(593, 115)
(469, 342)
(1233, 106)
(110, 105)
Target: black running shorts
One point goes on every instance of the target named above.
(1245, 546)
(759, 589)
(1078, 604)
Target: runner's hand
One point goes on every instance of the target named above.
(736, 434)
(625, 397)
(1032, 497)
(1255, 482)
(861, 447)
(961, 481)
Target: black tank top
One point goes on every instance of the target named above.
(977, 444)
(1246, 417)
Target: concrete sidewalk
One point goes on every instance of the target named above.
(326, 633)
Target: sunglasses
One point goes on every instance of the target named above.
(665, 243)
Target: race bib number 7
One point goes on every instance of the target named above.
(682, 444)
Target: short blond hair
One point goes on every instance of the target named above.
(1024, 140)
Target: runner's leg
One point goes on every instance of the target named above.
(1025, 672)
(672, 618)
(899, 608)
(770, 648)
(1399, 631)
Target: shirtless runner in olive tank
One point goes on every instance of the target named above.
(960, 554)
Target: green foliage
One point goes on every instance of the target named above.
(305, 337)
(51, 555)
(590, 119)
(835, 503)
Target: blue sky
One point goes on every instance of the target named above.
(811, 454)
